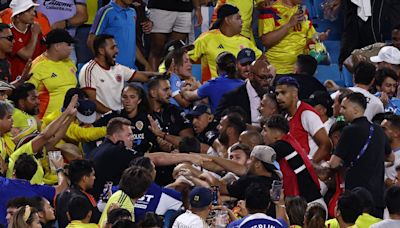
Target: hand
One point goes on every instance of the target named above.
(281, 200)
(36, 30)
(147, 26)
(242, 208)
(324, 35)
(334, 6)
(71, 108)
(199, 160)
(296, 19)
(25, 76)
(384, 98)
(112, 207)
(186, 173)
(331, 85)
(199, 17)
(59, 163)
(155, 128)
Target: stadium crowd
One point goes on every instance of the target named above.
(103, 122)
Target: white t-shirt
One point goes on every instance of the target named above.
(189, 220)
(387, 223)
(255, 101)
(390, 172)
(374, 105)
(108, 83)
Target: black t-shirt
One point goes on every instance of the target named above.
(143, 138)
(110, 160)
(209, 134)
(307, 187)
(238, 188)
(62, 201)
(5, 74)
(172, 5)
(171, 119)
(368, 170)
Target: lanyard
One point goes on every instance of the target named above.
(371, 131)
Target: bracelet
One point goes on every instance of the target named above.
(60, 170)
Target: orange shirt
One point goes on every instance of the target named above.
(40, 18)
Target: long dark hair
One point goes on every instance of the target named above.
(226, 62)
(143, 106)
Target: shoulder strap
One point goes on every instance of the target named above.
(364, 148)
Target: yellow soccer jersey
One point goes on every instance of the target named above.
(24, 123)
(52, 80)
(26, 149)
(7, 145)
(284, 54)
(210, 44)
(123, 200)
(80, 224)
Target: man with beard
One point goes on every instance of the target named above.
(26, 103)
(386, 81)
(305, 123)
(102, 76)
(244, 59)
(248, 96)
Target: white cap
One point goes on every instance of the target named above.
(388, 54)
(20, 6)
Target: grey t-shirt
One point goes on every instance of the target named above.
(387, 223)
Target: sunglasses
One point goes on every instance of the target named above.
(9, 38)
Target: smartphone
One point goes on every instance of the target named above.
(276, 190)
(215, 192)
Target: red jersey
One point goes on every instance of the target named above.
(21, 39)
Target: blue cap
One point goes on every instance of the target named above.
(287, 80)
(86, 111)
(246, 55)
(199, 110)
(200, 197)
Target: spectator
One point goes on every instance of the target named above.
(82, 176)
(124, 223)
(386, 81)
(315, 216)
(251, 138)
(41, 19)
(25, 217)
(124, 30)
(304, 73)
(214, 89)
(14, 204)
(246, 12)
(56, 63)
(135, 108)
(362, 146)
(337, 100)
(348, 209)
(268, 106)
(24, 169)
(367, 205)
(133, 184)
(27, 35)
(79, 212)
(285, 29)
(103, 75)
(8, 146)
(117, 214)
(257, 203)
(391, 127)
(322, 103)
(118, 139)
(200, 199)
(171, 20)
(299, 176)
(6, 48)
(179, 66)
(305, 122)
(45, 211)
(26, 106)
(151, 220)
(392, 199)
(244, 59)
(364, 75)
(296, 209)
(229, 128)
(157, 199)
(388, 57)
(225, 36)
(248, 96)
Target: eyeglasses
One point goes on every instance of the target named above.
(9, 38)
